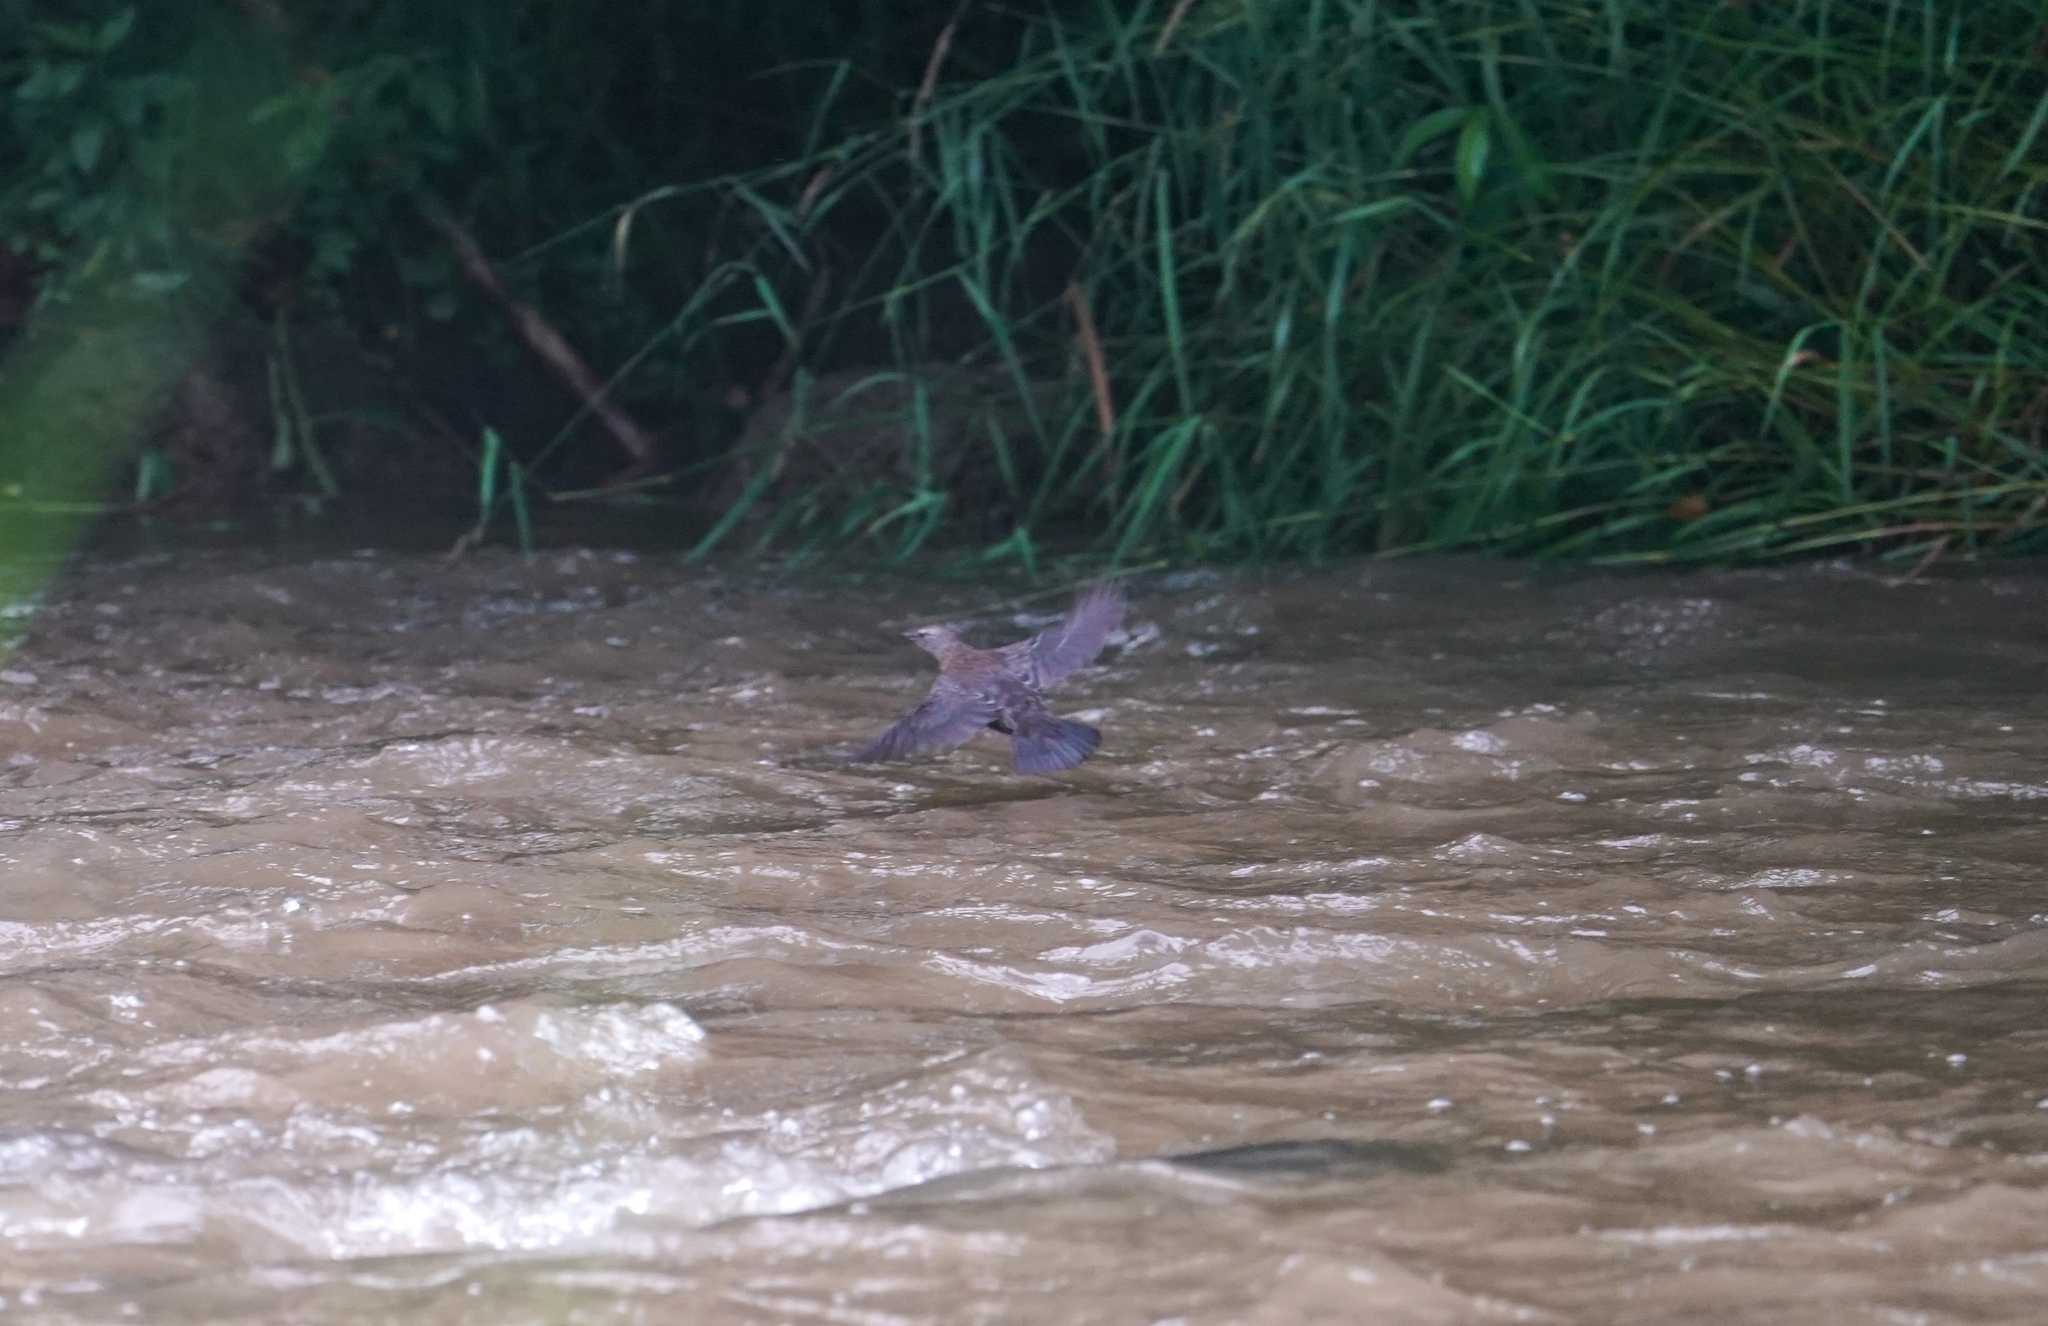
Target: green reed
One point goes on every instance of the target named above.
(1612, 279)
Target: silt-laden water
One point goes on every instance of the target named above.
(389, 941)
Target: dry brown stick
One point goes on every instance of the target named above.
(1180, 11)
(930, 84)
(814, 187)
(1098, 380)
(1932, 556)
(541, 337)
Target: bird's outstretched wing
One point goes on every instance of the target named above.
(945, 718)
(1074, 641)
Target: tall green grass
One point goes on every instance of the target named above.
(1614, 279)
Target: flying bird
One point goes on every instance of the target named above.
(1004, 689)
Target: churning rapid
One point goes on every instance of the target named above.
(385, 940)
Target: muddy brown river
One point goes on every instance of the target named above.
(385, 940)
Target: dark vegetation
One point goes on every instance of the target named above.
(1614, 279)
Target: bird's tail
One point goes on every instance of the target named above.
(1044, 744)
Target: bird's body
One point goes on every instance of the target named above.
(1003, 689)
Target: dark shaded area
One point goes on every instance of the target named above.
(297, 205)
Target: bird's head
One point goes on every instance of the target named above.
(933, 639)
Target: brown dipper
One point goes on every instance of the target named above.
(1003, 689)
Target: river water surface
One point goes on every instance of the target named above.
(386, 940)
